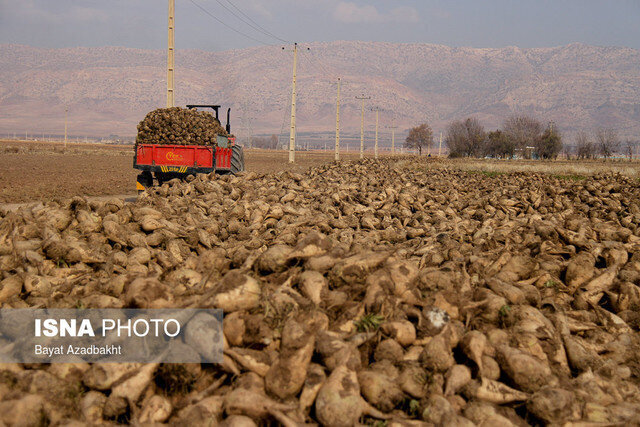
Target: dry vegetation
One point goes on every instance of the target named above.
(385, 292)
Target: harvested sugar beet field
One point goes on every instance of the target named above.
(35, 171)
(376, 292)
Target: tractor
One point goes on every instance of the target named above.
(165, 162)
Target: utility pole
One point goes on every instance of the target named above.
(171, 54)
(337, 155)
(440, 146)
(376, 146)
(66, 116)
(393, 128)
(393, 140)
(292, 133)
(362, 125)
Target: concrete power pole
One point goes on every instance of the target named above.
(292, 133)
(337, 155)
(362, 125)
(440, 146)
(66, 116)
(393, 140)
(393, 128)
(376, 146)
(171, 55)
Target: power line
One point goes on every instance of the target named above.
(249, 24)
(226, 25)
(264, 31)
(312, 67)
(319, 60)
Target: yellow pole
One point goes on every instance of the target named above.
(440, 146)
(376, 146)
(337, 156)
(171, 54)
(292, 134)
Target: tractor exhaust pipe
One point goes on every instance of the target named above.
(228, 127)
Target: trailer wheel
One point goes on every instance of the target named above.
(160, 177)
(163, 177)
(237, 159)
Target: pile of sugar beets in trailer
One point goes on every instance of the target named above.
(179, 126)
(378, 292)
(178, 142)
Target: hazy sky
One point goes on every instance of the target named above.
(477, 23)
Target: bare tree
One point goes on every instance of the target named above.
(466, 138)
(419, 137)
(607, 141)
(273, 141)
(629, 147)
(522, 130)
(585, 148)
(268, 143)
(566, 151)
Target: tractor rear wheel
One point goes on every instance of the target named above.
(237, 159)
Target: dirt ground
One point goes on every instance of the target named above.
(39, 171)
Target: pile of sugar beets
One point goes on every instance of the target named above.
(179, 126)
(372, 292)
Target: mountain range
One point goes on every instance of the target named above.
(108, 90)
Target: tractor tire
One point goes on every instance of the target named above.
(237, 159)
(161, 178)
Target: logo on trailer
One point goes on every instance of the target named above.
(173, 156)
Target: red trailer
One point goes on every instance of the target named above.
(165, 162)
